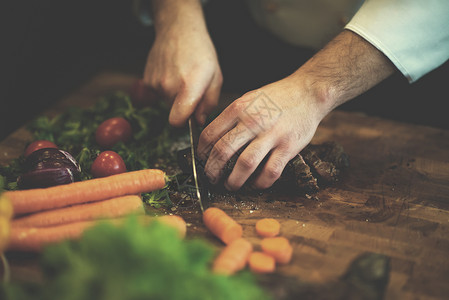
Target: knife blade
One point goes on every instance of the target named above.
(201, 190)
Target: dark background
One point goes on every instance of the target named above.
(50, 48)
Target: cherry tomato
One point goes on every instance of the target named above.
(141, 95)
(107, 163)
(112, 131)
(39, 144)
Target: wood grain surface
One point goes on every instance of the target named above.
(393, 200)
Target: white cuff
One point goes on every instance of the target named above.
(413, 34)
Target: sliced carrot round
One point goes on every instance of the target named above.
(260, 262)
(268, 227)
(279, 248)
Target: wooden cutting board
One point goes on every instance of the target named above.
(393, 200)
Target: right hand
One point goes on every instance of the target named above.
(275, 122)
(182, 66)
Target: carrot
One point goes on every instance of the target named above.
(129, 183)
(279, 248)
(34, 238)
(268, 227)
(233, 257)
(222, 225)
(176, 222)
(5, 217)
(260, 262)
(110, 208)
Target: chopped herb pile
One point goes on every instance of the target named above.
(133, 262)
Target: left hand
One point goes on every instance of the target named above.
(277, 120)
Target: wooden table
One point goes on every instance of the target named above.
(393, 200)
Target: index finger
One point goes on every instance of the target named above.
(187, 100)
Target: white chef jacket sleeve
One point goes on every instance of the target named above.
(413, 34)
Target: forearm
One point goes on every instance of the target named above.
(179, 13)
(345, 68)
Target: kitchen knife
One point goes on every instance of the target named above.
(199, 177)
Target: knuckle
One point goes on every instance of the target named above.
(205, 150)
(165, 84)
(213, 170)
(274, 170)
(206, 136)
(286, 141)
(250, 122)
(236, 107)
(220, 151)
(240, 105)
(248, 161)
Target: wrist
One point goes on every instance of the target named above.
(345, 68)
(177, 15)
(317, 93)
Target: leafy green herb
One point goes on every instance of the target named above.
(158, 199)
(74, 131)
(11, 172)
(133, 262)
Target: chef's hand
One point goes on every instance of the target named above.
(278, 120)
(182, 64)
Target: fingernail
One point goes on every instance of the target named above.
(227, 186)
(211, 178)
(174, 120)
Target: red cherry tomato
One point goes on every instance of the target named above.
(141, 95)
(108, 163)
(39, 144)
(112, 131)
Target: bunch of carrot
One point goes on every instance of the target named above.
(239, 252)
(48, 215)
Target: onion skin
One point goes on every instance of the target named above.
(42, 178)
(48, 167)
(50, 156)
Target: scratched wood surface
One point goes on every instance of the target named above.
(393, 200)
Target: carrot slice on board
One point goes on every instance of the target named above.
(222, 225)
(278, 247)
(268, 227)
(233, 257)
(260, 262)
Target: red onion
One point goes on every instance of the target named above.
(48, 167)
